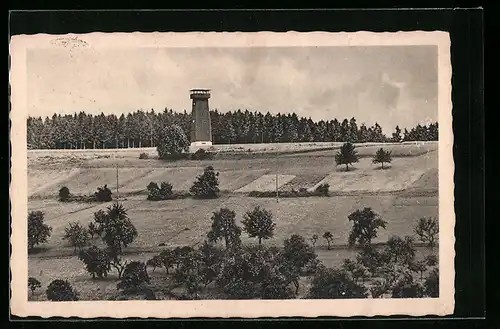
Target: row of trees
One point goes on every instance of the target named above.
(144, 129)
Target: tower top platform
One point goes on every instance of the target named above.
(199, 93)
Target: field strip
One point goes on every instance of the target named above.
(266, 183)
(59, 177)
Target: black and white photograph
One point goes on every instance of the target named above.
(276, 168)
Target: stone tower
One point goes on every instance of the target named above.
(201, 127)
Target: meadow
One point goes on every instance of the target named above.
(400, 194)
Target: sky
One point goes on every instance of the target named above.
(391, 85)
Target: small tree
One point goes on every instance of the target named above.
(314, 239)
(206, 185)
(224, 227)
(259, 223)
(93, 230)
(118, 230)
(419, 267)
(399, 250)
(328, 236)
(427, 230)
(134, 275)
(155, 262)
(347, 155)
(64, 194)
(61, 290)
(172, 141)
(365, 225)
(33, 284)
(297, 252)
(382, 157)
(38, 231)
(168, 259)
(371, 259)
(77, 235)
(97, 261)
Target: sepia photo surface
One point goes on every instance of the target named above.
(232, 175)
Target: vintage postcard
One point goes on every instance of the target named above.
(232, 175)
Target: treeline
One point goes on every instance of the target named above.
(141, 129)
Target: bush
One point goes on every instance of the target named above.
(33, 284)
(103, 194)
(172, 142)
(61, 290)
(162, 192)
(64, 194)
(77, 235)
(206, 185)
(134, 275)
(143, 156)
(38, 231)
(431, 284)
(97, 261)
(323, 189)
(335, 284)
(201, 154)
(93, 230)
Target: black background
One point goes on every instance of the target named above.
(466, 32)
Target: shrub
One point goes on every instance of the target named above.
(172, 142)
(97, 261)
(408, 290)
(201, 154)
(162, 192)
(77, 235)
(61, 290)
(103, 194)
(355, 270)
(365, 225)
(134, 275)
(33, 284)
(335, 284)
(206, 185)
(427, 230)
(323, 189)
(431, 284)
(371, 259)
(347, 155)
(259, 223)
(382, 157)
(64, 194)
(143, 156)
(38, 231)
(431, 260)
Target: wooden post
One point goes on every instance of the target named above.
(117, 194)
(277, 174)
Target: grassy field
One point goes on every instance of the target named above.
(401, 194)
